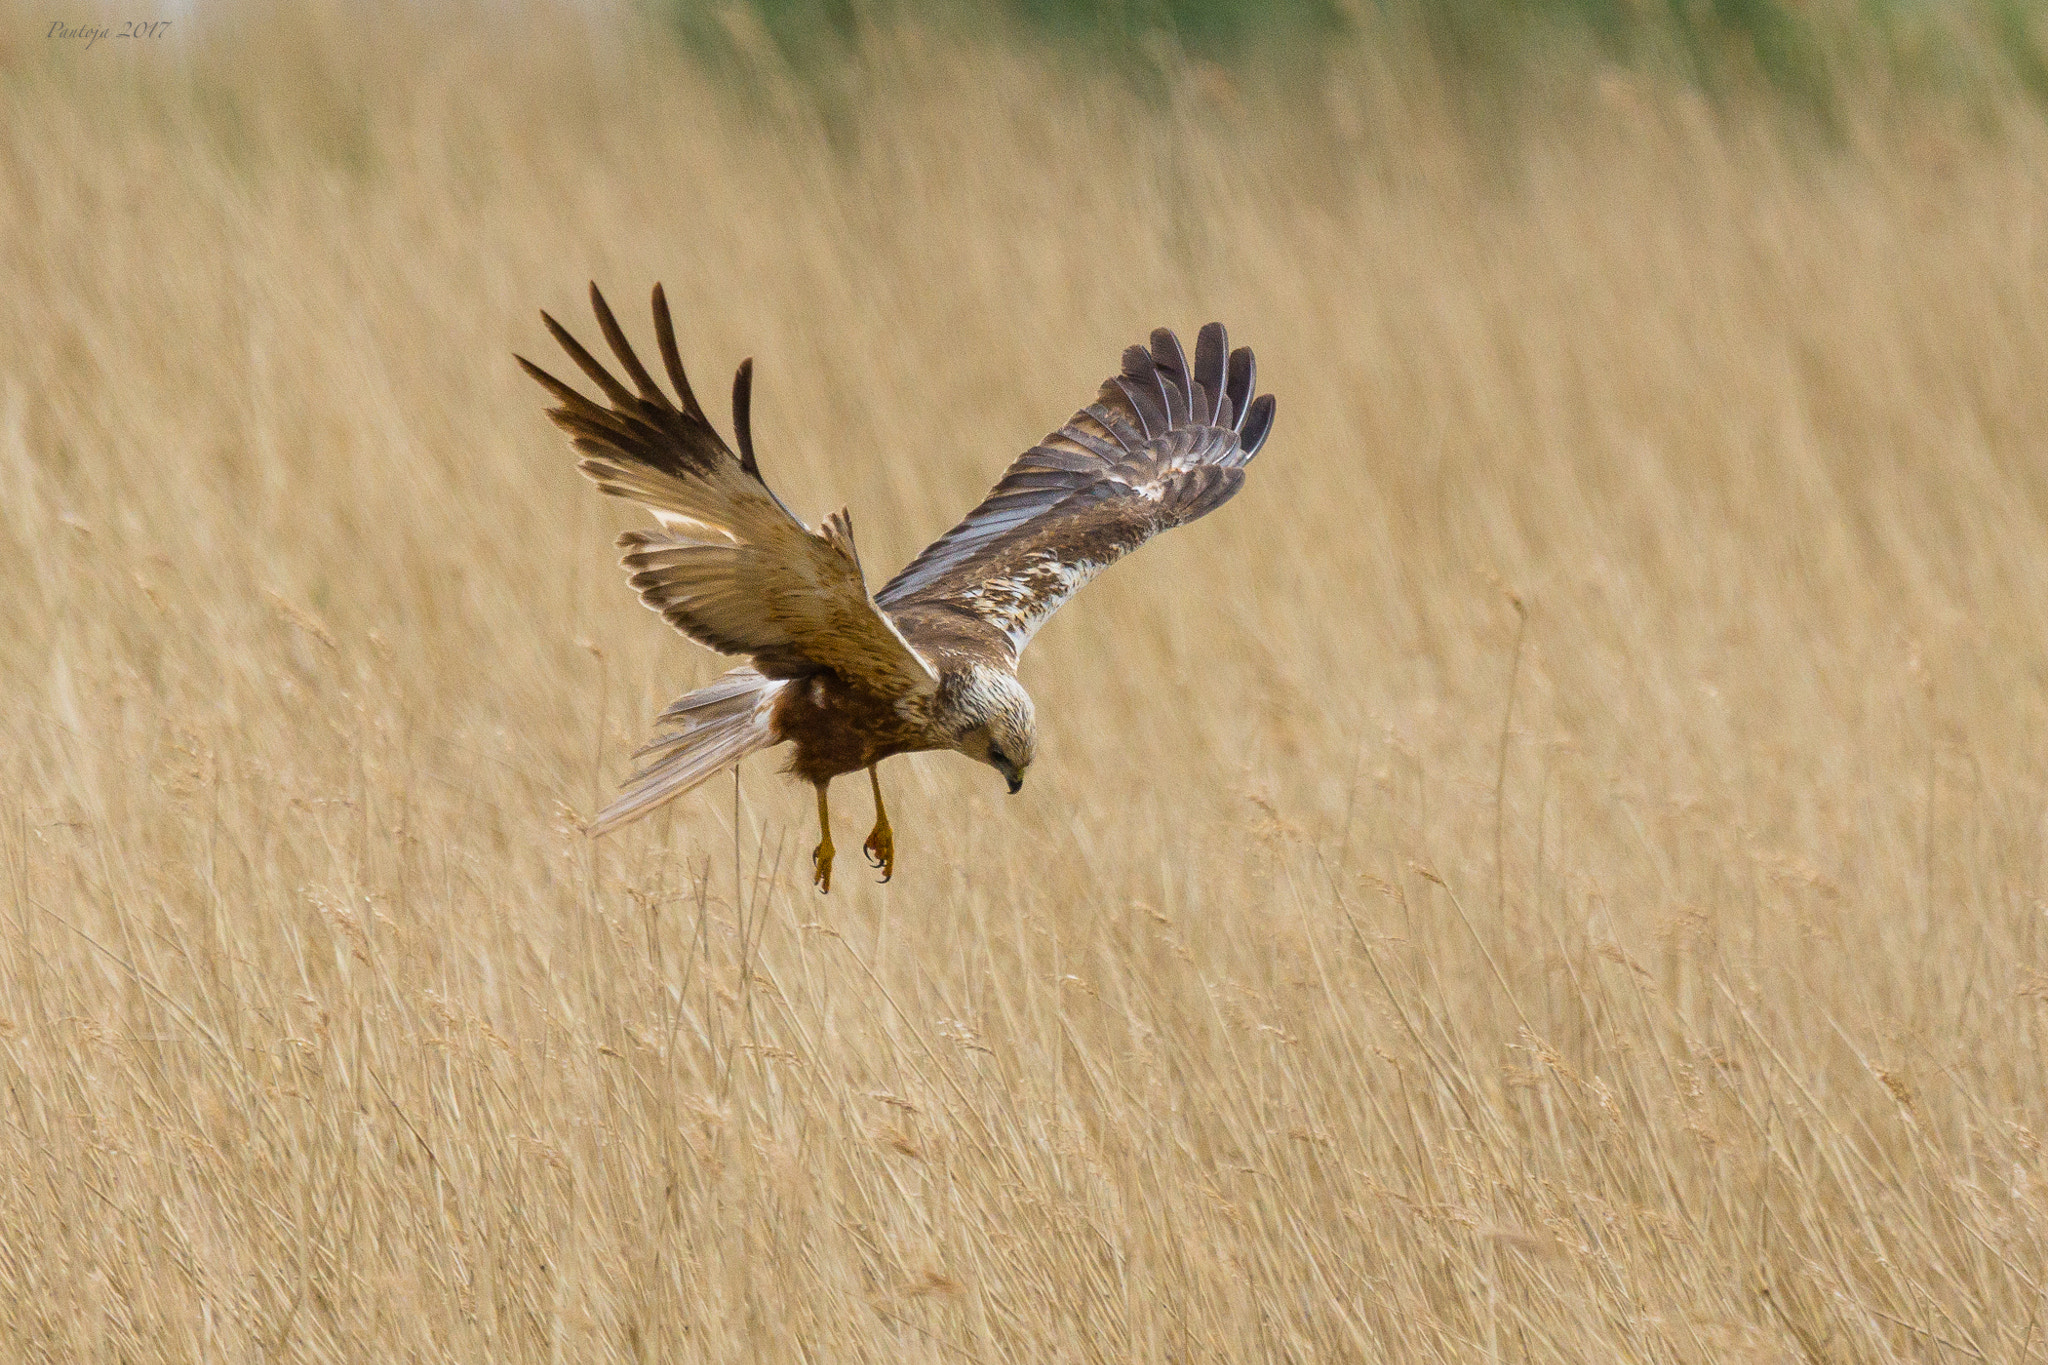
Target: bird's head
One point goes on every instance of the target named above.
(996, 723)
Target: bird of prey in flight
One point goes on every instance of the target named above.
(929, 662)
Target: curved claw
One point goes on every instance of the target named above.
(880, 849)
(881, 844)
(821, 866)
(821, 856)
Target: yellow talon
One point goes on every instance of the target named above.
(881, 844)
(821, 856)
(881, 849)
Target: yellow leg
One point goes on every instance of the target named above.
(821, 857)
(881, 844)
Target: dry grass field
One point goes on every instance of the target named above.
(1372, 969)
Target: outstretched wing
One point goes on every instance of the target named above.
(1160, 446)
(731, 567)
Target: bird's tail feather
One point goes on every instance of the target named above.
(715, 727)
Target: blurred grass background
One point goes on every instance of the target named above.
(1800, 51)
(1554, 871)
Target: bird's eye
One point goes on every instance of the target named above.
(995, 756)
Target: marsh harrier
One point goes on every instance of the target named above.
(930, 661)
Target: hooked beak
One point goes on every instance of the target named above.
(1012, 776)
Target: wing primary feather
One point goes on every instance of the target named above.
(1140, 369)
(1171, 363)
(1212, 346)
(562, 392)
(671, 359)
(1244, 372)
(577, 413)
(635, 438)
(742, 416)
(1144, 404)
(616, 339)
(599, 375)
(1257, 423)
(1126, 435)
(1096, 447)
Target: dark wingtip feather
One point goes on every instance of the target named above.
(615, 338)
(1172, 365)
(561, 391)
(599, 375)
(1244, 374)
(671, 358)
(742, 415)
(1258, 424)
(1212, 346)
(536, 373)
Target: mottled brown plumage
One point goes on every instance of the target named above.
(929, 662)
(836, 728)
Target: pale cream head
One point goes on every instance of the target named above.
(997, 724)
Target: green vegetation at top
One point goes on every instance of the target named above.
(1803, 50)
